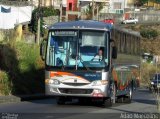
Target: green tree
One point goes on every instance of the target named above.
(88, 11)
(140, 2)
(158, 1)
(40, 13)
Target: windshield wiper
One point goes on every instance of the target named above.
(84, 64)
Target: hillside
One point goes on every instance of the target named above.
(150, 37)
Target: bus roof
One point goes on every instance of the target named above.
(82, 24)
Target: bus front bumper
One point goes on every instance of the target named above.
(78, 91)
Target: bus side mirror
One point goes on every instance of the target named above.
(114, 52)
(43, 49)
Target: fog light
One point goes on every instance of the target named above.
(97, 93)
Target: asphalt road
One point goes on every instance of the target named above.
(143, 102)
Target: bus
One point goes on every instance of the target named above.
(72, 70)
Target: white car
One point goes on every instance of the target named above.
(131, 20)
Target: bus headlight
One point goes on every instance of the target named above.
(152, 83)
(99, 82)
(54, 81)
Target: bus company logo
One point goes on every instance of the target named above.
(90, 75)
(75, 80)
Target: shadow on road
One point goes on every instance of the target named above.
(52, 101)
(145, 90)
(145, 101)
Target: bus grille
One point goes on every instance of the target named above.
(75, 91)
(76, 84)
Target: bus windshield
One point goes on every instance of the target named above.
(83, 49)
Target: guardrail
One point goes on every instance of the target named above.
(127, 41)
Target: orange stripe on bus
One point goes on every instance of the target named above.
(61, 74)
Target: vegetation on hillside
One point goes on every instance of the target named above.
(22, 70)
(40, 13)
(142, 2)
(150, 37)
(149, 33)
(150, 40)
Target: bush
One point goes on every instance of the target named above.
(24, 66)
(49, 11)
(5, 84)
(149, 33)
(147, 71)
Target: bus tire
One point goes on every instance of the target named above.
(128, 98)
(120, 99)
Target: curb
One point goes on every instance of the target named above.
(13, 99)
(34, 97)
(9, 99)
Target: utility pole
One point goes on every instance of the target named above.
(39, 24)
(124, 7)
(61, 9)
(93, 9)
(158, 86)
(98, 12)
(79, 8)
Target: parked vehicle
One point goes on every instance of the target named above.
(45, 26)
(147, 57)
(109, 21)
(155, 82)
(131, 20)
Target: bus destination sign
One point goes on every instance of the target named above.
(65, 33)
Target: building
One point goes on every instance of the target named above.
(54, 3)
(153, 4)
(14, 13)
(72, 10)
(118, 6)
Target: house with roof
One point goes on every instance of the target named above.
(13, 14)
